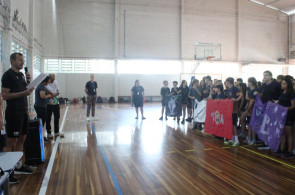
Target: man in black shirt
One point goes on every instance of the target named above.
(15, 93)
(271, 90)
(90, 90)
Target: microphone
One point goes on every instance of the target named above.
(28, 76)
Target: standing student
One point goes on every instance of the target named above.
(233, 95)
(271, 89)
(246, 115)
(219, 92)
(91, 91)
(53, 108)
(287, 99)
(137, 94)
(194, 94)
(15, 93)
(208, 86)
(175, 91)
(184, 90)
(42, 97)
(165, 91)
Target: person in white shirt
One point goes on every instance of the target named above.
(53, 107)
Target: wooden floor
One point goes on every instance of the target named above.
(152, 157)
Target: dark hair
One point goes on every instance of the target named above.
(135, 82)
(208, 77)
(268, 72)
(182, 82)
(253, 81)
(230, 80)
(244, 88)
(288, 77)
(220, 87)
(14, 55)
(280, 77)
(175, 82)
(195, 81)
(290, 89)
(240, 80)
(46, 80)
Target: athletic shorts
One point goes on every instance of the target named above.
(17, 124)
(190, 104)
(235, 119)
(290, 119)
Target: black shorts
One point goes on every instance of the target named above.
(17, 124)
(290, 119)
(235, 119)
(248, 119)
(41, 114)
(164, 102)
(138, 102)
(190, 104)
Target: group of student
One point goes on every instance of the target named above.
(280, 91)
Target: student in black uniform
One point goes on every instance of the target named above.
(194, 94)
(219, 93)
(137, 94)
(233, 95)
(246, 115)
(184, 90)
(164, 92)
(15, 93)
(175, 91)
(271, 89)
(287, 99)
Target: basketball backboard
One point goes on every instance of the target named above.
(210, 51)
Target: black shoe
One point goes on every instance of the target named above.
(182, 122)
(161, 118)
(187, 120)
(279, 152)
(174, 118)
(13, 180)
(288, 155)
(166, 118)
(136, 117)
(23, 171)
(143, 118)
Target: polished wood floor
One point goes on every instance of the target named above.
(152, 157)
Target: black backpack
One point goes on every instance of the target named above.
(83, 99)
(61, 100)
(112, 100)
(99, 100)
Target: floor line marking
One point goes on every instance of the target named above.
(46, 178)
(116, 183)
(288, 165)
(189, 150)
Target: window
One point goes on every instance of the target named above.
(79, 66)
(37, 63)
(15, 47)
(149, 67)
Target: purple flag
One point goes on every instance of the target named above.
(257, 114)
(268, 122)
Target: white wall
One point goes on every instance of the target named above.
(73, 85)
(151, 29)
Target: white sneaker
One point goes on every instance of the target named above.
(94, 119)
(253, 141)
(59, 134)
(88, 119)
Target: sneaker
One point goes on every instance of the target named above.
(228, 142)
(136, 117)
(49, 136)
(288, 155)
(279, 152)
(253, 142)
(182, 122)
(174, 118)
(59, 134)
(13, 180)
(94, 118)
(249, 141)
(88, 119)
(143, 118)
(236, 144)
(23, 171)
(161, 118)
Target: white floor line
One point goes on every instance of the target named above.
(46, 178)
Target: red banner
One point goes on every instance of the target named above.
(219, 118)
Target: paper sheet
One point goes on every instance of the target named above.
(36, 82)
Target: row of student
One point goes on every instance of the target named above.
(243, 95)
(14, 121)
